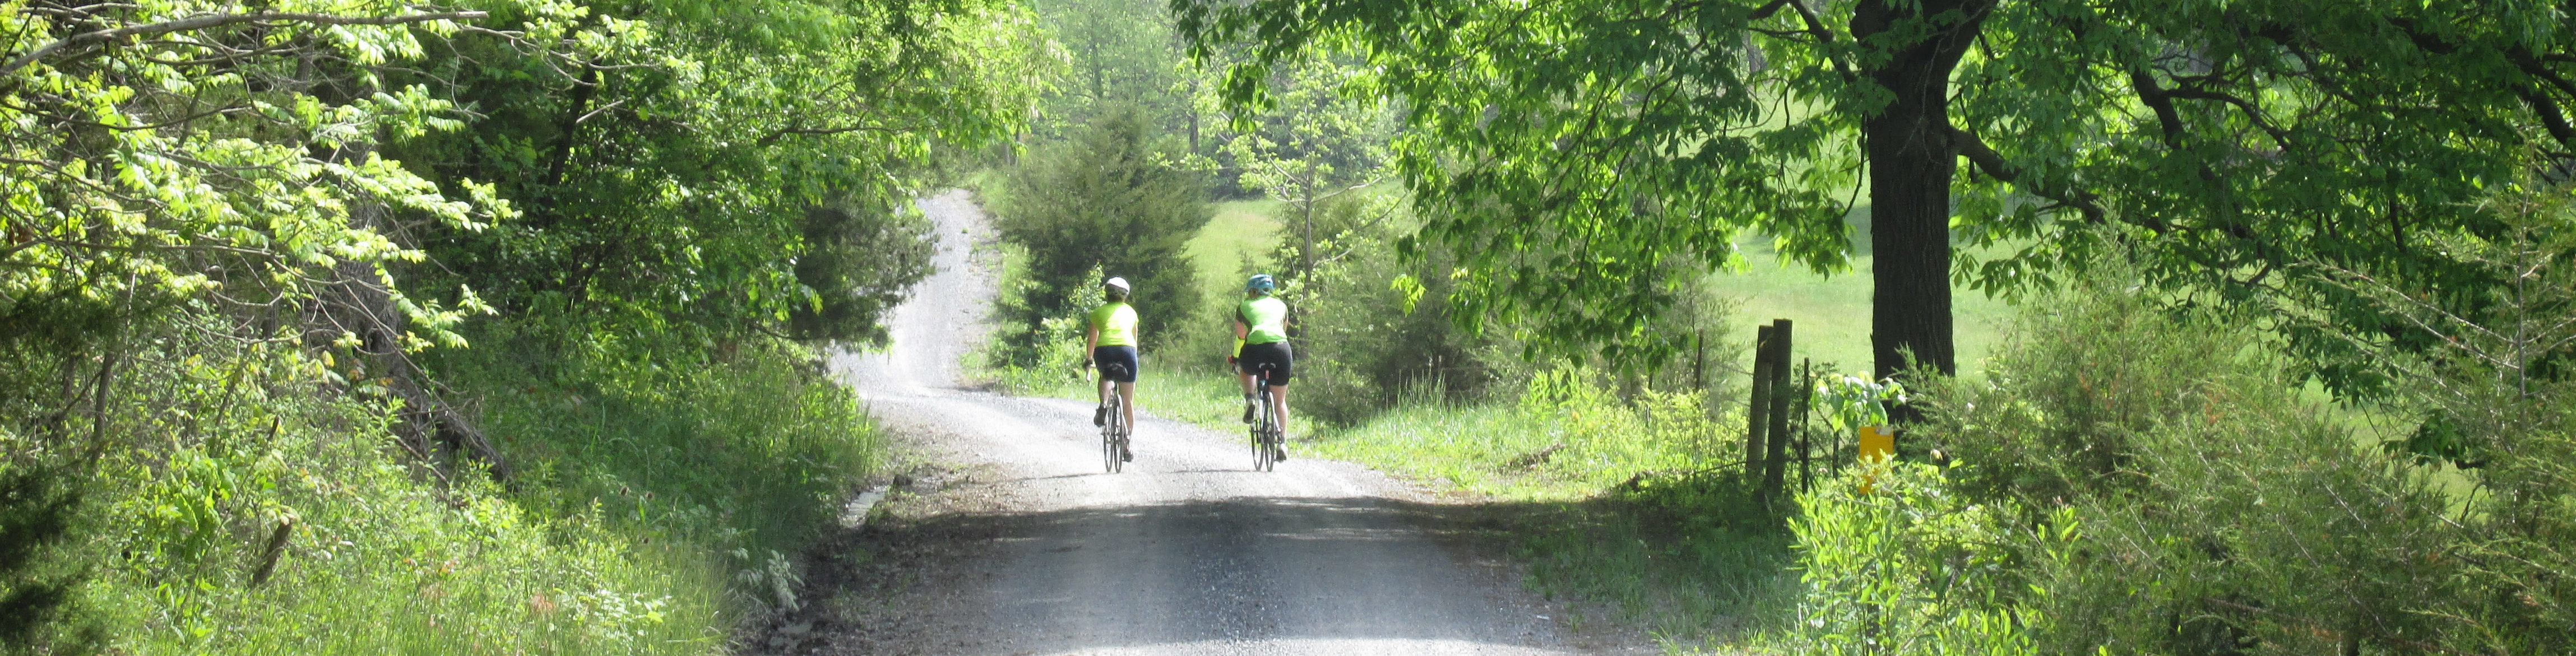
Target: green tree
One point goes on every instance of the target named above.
(1121, 54)
(1107, 200)
(1308, 144)
(1569, 149)
(165, 163)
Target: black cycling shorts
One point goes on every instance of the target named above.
(1117, 363)
(1274, 354)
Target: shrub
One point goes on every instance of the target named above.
(1374, 326)
(2137, 480)
(2500, 397)
(1910, 567)
(219, 495)
(860, 260)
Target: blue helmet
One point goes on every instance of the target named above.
(1260, 284)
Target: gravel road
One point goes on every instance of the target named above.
(1005, 537)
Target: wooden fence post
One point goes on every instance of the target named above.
(1776, 441)
(1806, 405)
(1758, 406)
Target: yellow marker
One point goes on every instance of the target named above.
(1876, 445)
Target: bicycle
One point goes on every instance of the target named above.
(1114, 432)
(1266, 434)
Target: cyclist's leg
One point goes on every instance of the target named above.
(1279, 407)
(1123, 362)
(1243, 372)
(1285, 364)
(1127, 404)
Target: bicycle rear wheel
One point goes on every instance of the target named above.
(1110, 435)
(1263, 425)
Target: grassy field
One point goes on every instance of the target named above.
(1831, 313)
(1674, 555)
(1242, 231)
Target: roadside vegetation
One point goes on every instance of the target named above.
(493, 327)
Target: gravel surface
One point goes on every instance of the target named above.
(1002, 535)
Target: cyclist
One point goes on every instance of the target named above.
(1112, 341)
(1261, 335)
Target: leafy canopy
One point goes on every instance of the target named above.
(1568, 149)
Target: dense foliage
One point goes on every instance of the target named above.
(1573, 149)
(1120, 56)
(243, 404)
(2131, 480)
(671, 172)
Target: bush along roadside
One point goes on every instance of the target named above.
(2127, 480)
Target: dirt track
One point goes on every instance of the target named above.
(1005, 537)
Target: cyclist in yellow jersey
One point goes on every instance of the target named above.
(1261, 337)
(1111, 347)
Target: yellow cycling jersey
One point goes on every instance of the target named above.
(1265, 320)
(1116, 322)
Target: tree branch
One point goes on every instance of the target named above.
(204, 21)
(2156, 98)
(773, 137)
(1993, 164)
(1824, 37)
(2252, 113)
(2550, 117)
(1766, 10)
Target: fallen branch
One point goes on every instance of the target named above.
(268, 554)
(2321, 628)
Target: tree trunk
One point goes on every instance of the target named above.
(1911, 164)
(1194, 117)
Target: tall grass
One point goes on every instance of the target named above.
(1609, 499)
(654, 503)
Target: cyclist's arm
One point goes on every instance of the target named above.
(1090, 342)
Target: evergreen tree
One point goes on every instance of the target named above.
(1109, 199)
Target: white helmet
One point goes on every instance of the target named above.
(1116, 283)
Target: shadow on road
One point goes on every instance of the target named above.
(1162, 578)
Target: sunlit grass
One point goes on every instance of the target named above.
(1606, 499)
(1241, 233)
(651, 509)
